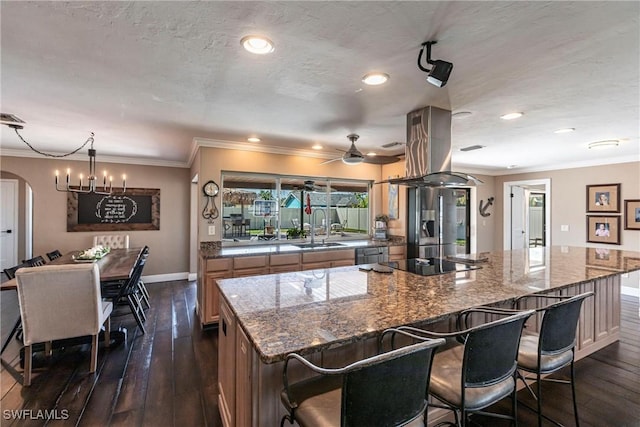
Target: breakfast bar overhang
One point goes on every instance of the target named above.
(334, 316)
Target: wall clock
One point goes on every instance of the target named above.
(210, 190)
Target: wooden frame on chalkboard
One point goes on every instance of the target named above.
(136, 209)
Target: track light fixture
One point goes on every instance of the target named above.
(441, 70)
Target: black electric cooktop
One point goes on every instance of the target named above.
(429, 266)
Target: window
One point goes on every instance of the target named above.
(259, 207)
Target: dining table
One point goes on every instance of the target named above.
(116, 265)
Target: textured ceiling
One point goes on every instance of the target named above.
(149, 77)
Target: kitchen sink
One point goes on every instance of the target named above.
(317, 245)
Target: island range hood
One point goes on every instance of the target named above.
(428, 152)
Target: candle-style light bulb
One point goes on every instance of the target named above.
(110, 182)
(57, 178)
(124, 183)
(68, 174)
(81, 181)
(104, 180)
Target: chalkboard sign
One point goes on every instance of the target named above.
(136, 209)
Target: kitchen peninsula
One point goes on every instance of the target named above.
(333, 316)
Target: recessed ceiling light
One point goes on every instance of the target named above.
(257, 44)
(472, 147)
(512, 166)
(565, 130)
(609, 143)
(371, 154)
(316, 147)
(374, 79)
(253, 139)
(461, 114)
(511, 116)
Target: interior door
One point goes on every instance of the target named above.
(8, 223)
(518, 220)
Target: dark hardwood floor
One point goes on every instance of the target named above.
(168, 377)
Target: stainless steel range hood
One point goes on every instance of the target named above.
(428, 152)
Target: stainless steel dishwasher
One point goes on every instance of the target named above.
(372, 255)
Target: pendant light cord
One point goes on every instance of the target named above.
(89, 140)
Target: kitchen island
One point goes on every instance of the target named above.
(333, 316)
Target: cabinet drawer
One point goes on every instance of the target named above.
(285, 259)
(331, 255)
(219, 264)
(251, 272)
(284, 268)
(342, 263)
(249, 262)
(316, 265)
(396, 250)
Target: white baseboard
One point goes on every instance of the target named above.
(165, 277)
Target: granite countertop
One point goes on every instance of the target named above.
(307, 311)
(212, 250)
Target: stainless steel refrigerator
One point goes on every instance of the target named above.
(431, 226)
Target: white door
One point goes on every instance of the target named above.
(8, 223)
(518, 220)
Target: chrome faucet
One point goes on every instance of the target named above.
(313, 223)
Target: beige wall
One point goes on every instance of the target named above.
(568, 201)
(486, 226)
(169, 246)
(214, 160)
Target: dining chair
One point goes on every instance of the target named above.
(17, 327)
(113, 241)
(125, 292)
(480, 369)
(553, 347)
(54, 255)
(59, 302)
(388, 389)
(37, 261)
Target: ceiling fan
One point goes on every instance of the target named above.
(353, 156)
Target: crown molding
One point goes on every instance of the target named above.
(8, 152)
(547, 168)
(255, 147)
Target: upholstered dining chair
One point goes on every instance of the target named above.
(59, 302)
(470, 377)
(385, 390)
(113, 241)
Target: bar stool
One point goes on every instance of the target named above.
(482, 371)
(553, 347)
(383, 390)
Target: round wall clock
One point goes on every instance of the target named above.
(211, 190)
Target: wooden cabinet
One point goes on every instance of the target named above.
(283, 263)
(397, 253)
(227, 365)
(208, 295)
(250, 265)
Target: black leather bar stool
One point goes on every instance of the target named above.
(383, 390)
(553, 347)
(482, 370)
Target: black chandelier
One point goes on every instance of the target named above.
(92, 184)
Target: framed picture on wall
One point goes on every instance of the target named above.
(632, 214)
(603, 198)
(603, 229)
